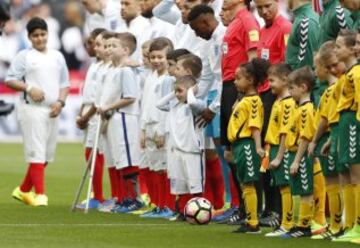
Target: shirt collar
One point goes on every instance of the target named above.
(302, 9)
(219, 31)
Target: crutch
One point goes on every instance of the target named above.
(93, 160)
(82, 182)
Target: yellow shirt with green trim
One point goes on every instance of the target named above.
(324, 106)
(247, 114)
(279, 122)
(354, 78)
(333, 114)
(302, 126)
(347, 96)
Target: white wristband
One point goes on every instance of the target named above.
(28, 88)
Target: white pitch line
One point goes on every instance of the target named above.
(82, 225)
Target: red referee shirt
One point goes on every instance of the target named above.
(241, 35)
(273, 40)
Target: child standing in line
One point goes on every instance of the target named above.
(244, 131)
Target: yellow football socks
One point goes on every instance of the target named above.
(250, 197)
(305, 214)
(287, 208)
(335, 206)
(349, 205)
(319, 195)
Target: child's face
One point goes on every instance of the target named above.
(357, 46)
(90, 45)
(172, 67)
(335, 66)
(180, 71)
(99, 47)
(38, 39)
(158, 60)
(297, 91)
(117, 50)
(181, 92)
(320, 69)
(242, 81)
(277, 84)
(342, 51)
(107, 49)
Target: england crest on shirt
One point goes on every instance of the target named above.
(113, 24)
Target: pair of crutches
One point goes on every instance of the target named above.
(90, 165)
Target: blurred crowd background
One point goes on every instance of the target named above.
(65, 20)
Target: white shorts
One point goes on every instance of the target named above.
(39, 132)
(187, 172)
(123, 140)
(152, 157)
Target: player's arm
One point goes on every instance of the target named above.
(165, 11)
(164, 103)
(117, 105)
(256, 135)
(321, 129)
(280, 154)
(303, 145)
(15, 75)
(56, 107)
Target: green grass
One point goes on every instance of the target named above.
(56, 226)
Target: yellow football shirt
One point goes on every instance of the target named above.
(324, 106)
(247, 114)
(302, 125)
(333, 114)
(347, 96)
(279, 122)
(354, 77)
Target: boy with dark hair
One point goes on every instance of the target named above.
(41, 74)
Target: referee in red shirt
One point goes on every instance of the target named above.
(272, 46)
(239, 46)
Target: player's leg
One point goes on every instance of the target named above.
(302, 185)
(247, 164)
(281, 178)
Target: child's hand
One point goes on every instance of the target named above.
(325, 149)
(294, 168)
(228, 156)
(159, 141)
(311, 148)
(81, 122)
(275, 163)
(261, 152)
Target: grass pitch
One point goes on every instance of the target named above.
(56, 226)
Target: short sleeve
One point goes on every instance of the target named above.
(129, 84)
(307, 120)
(255, 118)
(286, 112)
(17, 68)
(251, 34)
